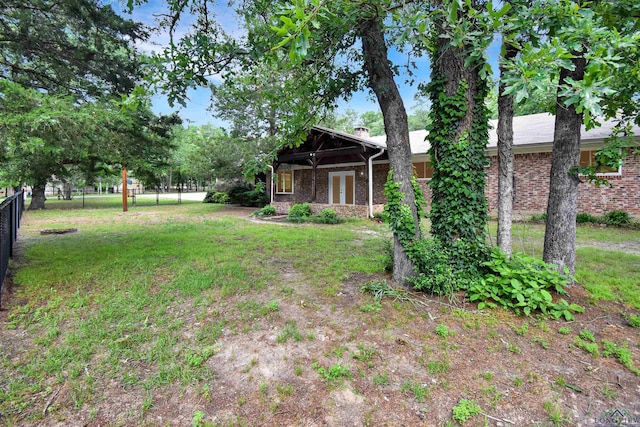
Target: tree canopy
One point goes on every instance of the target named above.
(80, 47)
(42, 136)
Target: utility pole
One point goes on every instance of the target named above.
(124, 190)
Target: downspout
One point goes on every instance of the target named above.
(371, 180)
(272, 177)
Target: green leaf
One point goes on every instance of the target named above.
(453, 12)
(499, 14)
(546, 295)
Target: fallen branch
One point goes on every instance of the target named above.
(504, 420)
(50, 402)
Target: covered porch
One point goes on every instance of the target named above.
(331, 169)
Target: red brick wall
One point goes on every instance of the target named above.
(532, 186)
(302, 179)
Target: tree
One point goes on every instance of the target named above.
(69, 46)
(396, 127)
(374, 121)
(345, 122)
(47, 136)
(74, 51)
(205, 153)
(582, 32)
(511, 37)
(458, 132)
(419, 119)
(42, 136)
(505, 153)
(588, 50)
(583, 47)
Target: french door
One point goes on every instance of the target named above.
(342, 188)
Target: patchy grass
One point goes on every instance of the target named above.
(609, 275)
(191, 313)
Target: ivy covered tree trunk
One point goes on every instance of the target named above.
(397, 129)
(562, 208)
(458, 135)
(505, 158)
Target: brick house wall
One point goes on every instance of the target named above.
(532, 171)
(302, 179)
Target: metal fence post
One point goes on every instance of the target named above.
(10, 215)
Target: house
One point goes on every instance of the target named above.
(346, 172)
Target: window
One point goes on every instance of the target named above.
(422, 170)
(588, 158)
(285, 182)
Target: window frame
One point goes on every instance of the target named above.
(592, 159)
(280, 182)
(426, 168)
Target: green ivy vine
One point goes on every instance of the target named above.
(452, 259)
(399, 213)
(459, 206)
(435, 263)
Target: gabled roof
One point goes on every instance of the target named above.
(329, 146)
(528, 132)
(368, 142)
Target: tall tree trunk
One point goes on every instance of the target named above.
(505, 156)
(560, 232)
(68, 190)
(396, 127)
(458, 135)
(37, 198)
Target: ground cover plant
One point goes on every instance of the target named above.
(200, 315)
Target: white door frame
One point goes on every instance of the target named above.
(343, 188)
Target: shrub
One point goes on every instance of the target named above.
(381, 216)
(538, 218)
(267, 211)
(238, 193)
(583, 218)
(217, 197)
(300, 210)
(247, 195)
(633, 320)
(436, 274)
(328, 216)
(617, 218)
(522, 284)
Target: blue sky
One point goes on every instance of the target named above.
(196, 111)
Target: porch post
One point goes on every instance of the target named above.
(314, 171)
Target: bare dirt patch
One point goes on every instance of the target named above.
(396, 370)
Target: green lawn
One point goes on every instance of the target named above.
(113, 301)
(105, 201)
